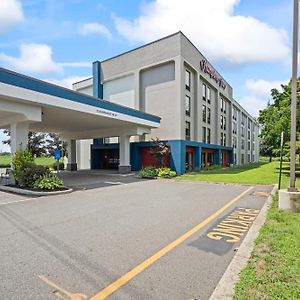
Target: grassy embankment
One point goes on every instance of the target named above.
(259, 173)
(5, 161)
(273, 271)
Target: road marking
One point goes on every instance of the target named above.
(62, 293)
(114, 286)
(18, 201)
(114, 182)
(234, 226)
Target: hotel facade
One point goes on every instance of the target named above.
(200, 121)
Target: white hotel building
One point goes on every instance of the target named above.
(166, 89)
(170, 78)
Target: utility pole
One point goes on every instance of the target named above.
(292, 187)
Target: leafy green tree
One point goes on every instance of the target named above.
(53, 141)
(36, 142)
(275, 118)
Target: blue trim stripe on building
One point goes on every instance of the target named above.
(97, 85)
(19, 80)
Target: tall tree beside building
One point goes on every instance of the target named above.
(275, 118)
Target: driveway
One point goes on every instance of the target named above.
(144, 240)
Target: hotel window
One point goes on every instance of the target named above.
(203, 91)
(234, 115)
(221, 141)
(224, 139)
(221, 103)
(187, 105)
(234, 142)
(224, 123)
(221, 122)
(208, 136)
(234, 126)
(249, 146)
(208, 94)
(187, 130)
(243, 132)
(243, 159)
(242, 144)
(249, 158)
(208, 115)
(249, 135)
(188, 80)
(204, 113)
(224, 106)
(243, 119)
(204, 134)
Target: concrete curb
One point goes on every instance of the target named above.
(19, 191)
(225, 288)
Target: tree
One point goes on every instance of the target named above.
(41, 143)
(54, 141)
(275, 118)
(36, 142)
(160, 151)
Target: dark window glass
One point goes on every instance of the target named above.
(187, 130)
(188, 80)
(221, 123)
(224, 139)
(204, 134)
(204, 92)
(208, 115)
(208, 136)
(208, 95)
(204, 113)
(224, 123)
(187, 105)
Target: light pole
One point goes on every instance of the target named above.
(292, 187)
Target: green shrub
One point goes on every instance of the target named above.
(48, 182)
(29, 174)
(61, 166)
(166, 173)
(148, 172)
(22, 158)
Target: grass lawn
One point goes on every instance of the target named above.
(259, 173)
(5, 161)
(273, 271)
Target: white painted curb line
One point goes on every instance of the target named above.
(225, 288)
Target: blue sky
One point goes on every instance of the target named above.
(248, 42)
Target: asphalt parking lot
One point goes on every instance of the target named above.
(156, 239)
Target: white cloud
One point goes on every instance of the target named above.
(80, 64)
(10, 13)
(253, 104)
(263, 87)
(68, 81)
(259, 93)
(95, 28)
(36, 58)
(212, 26)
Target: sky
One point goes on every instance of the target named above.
(248, 41)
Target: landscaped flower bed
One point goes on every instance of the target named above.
(28, 175)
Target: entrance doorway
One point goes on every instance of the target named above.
(189, 159)
(207, 157)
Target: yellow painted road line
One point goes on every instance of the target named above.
(62, 293)
(149, 261)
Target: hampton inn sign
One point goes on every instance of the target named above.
(212, 73)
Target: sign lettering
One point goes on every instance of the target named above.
(212, 73)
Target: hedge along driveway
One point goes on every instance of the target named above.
(259, 173)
